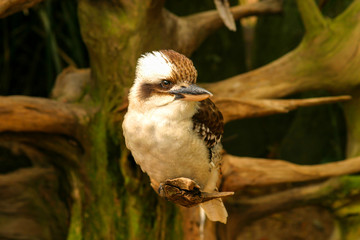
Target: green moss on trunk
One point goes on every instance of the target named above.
(118, 202)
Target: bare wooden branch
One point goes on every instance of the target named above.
(31, 114)
(235, 108)
(239, 172)
(311, 16)
(8, 7)
(348, 14)
(263, 83)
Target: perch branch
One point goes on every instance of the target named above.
(254, 208)
(239, 172)
(8, 7)
(311, 16)
(234, 108)
(31, 114)
(185, 192)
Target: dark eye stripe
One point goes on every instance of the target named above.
(148, 89)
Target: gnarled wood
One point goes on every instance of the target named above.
(31, 114)
(239, 172)
(237, 108)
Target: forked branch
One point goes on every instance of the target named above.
(311, 16)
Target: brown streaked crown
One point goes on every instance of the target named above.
(184, 70)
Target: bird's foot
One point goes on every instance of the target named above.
(186, 192)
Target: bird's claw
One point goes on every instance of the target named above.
(186, 192)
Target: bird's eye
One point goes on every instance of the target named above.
(166, 84)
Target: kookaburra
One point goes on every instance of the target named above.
(172, 128)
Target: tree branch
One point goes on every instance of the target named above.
(239, 172)
(351, 14)
(31, 114)
(311, 16)
(8, 7)
(236, 108)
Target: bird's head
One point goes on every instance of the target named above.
(165, 77)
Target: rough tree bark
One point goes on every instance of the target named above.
(74, 146)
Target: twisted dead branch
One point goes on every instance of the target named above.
(31, 114)
(238, 108)
(239, 172)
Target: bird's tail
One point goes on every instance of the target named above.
(215, 210)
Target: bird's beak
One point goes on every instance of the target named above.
(191, 93)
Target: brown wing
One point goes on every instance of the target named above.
(209, 123)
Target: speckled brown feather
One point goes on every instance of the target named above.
(209, 123)
(184, 70)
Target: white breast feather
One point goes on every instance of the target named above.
(164, 144)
